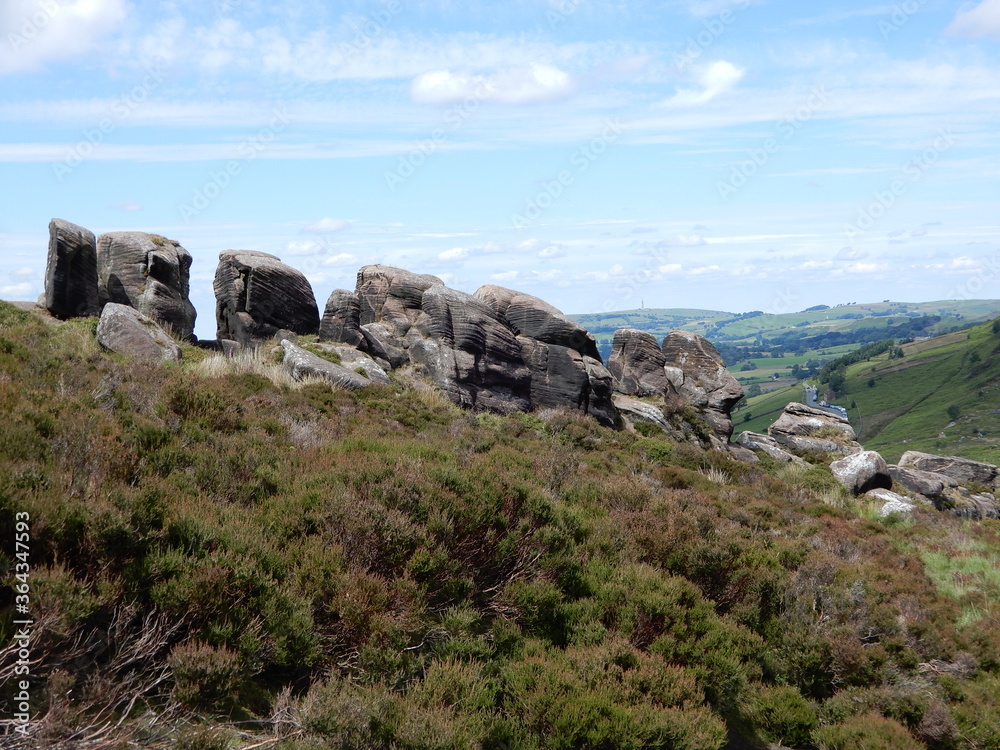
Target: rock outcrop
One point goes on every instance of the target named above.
(256, 295)
(125, 330)
(498, 350)
(925, 483)
(637, 364)
(862, 472)
(699, 375)
(803, 429)
(962, 470)
(71, 272)
(892, 502)
(149, 273)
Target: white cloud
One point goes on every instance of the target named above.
(529, 84)
(552, 251)
(36, 32)
(326, 225)
(296, 248)
(506, 276)
(456, 253)
(17, 291)
(983, 20)
(715, 79)
(341, 259)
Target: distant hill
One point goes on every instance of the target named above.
(942, 396)
(742, 336)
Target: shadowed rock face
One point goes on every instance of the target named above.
(342, 319)
(256, 295)
(499, 350)
(637, 363)
(71, 272)
(149, 273)
(699, 375)
(861, 472)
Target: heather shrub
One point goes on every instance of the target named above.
(866, 732)
(779, 715)
(205, 677)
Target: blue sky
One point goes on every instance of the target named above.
(724, 154)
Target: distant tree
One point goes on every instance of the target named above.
(996, 326)
(747, 366)
(753, 390)
(974, 357)
(953, 412)
(871, 382)
(748, 416)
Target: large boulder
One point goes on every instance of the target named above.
(534, 318)
(71, 272)
(925, 483)
(699, 375)
(125, 330)
(301, 364)
(862, 472)
(804, 429)
(962, 470)
(256, 295)
(149, 273)
(891, 502)
(637, 363)
(394, 298)
(342, 319)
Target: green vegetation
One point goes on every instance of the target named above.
(222, 558)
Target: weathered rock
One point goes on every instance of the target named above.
(962, 470)
(470, 354)
(924, 483)
(635, 411)
(862, 472)
(256, 295)
(301, 364)
(893, 503)
(71, 272)
(342, 319)
(149, 273)
(393, 297)
(699, 375)
(637, 363)
(767, 445)
(802, 429)
(534, 318)
(125, 330)
(740, 453)
(356, 360)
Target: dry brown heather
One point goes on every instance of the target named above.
(223, 561)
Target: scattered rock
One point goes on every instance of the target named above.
(127, 331)
(893, 503)
(71, 272)
(301, 364)
(256, 295)
(353, 359)
(745, 455)
(803, 429)
(861, 472)
(768, 445)
(149, 273)
(221, 346)
(637, 363)
(962, 470)
(698, 374)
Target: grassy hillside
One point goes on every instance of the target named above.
(221, 558)
(739, 336)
